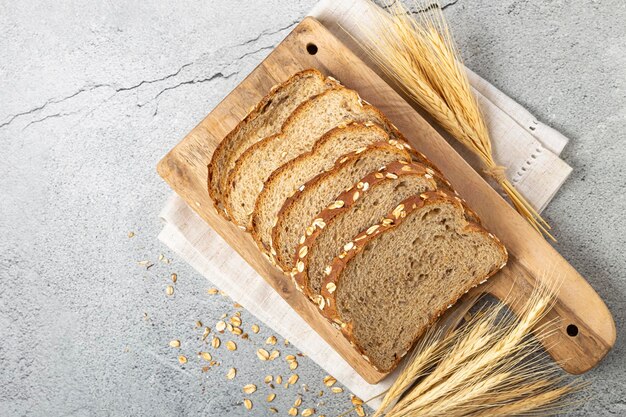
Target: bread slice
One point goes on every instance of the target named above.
(265, 119)
(354, 211)
(394, 279)
(300, 209)
(286, 180)
(308, 123)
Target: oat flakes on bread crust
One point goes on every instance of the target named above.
(304, 126)
(354, 252)
(299, 210)
(286, 180)
(396, 181)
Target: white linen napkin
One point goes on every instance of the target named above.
(527, 147)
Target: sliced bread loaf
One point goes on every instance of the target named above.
(306, 124)
(300, 209)
(394, 279)
(286, 180)
(265, 119)
(352, 212)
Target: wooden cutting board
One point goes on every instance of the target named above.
(586, 331)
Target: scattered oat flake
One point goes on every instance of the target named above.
(270, 340)
(255, 328)
(182, 359)
(293, 365)
(237, 331)
(249, 389)
(229, 327)
(131, 234)
(237, 305)
(263, 354)
(206, 333)
(308, 412)
(198, 323)
(329, 381)
(293, 379)
(169, 290)
(337, 390)
(273, 410)
(230, 345)
(247, 403)
(161, 257)
(274, 355)
(360, 412)
(286, 342)
(236, 321)
(279, 379)
(213, 291)
(215, 342)
(290, 358)
(271, 397)
(174, 277)
(220, 326)
(268, 379)
(175, 343)
(206, 356)
(356, 400)
(297, 402)
(232, 373)
(293, 411)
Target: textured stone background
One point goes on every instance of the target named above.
(92, 94)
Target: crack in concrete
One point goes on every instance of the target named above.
(268, 32)
(51, 116)
(256, 51)
(155, 80)
(452, 3)
(41, 107)
(432, 6)
(217, 75)
(82, 90)
(51, 101)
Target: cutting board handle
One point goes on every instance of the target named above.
(580, 340)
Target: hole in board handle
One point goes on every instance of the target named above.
(311, 48)
(572, 330)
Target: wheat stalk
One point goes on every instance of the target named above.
(418, 53)
(490, 366)
(427, 352)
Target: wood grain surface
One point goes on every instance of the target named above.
(586, 330)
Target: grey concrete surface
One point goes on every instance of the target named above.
(92, 94)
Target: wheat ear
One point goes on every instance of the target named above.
(417, 52)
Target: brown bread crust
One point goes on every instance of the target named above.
(342, 204)
(213, 181)
(244, 160)
(327, 301)
(403, 155)
(286, 168)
